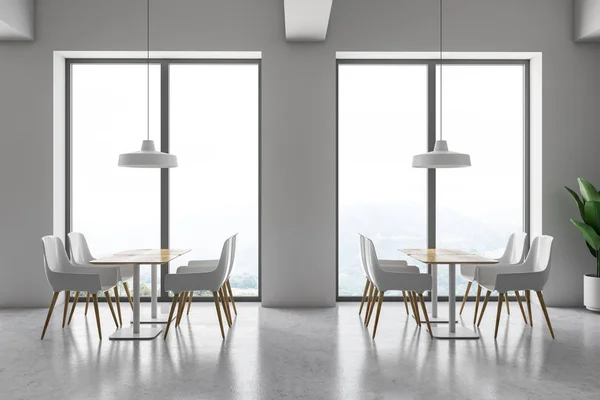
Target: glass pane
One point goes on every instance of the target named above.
(214, 130)
(116, 208)
(382, 123)
(479, 207)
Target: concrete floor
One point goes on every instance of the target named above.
(301, 354)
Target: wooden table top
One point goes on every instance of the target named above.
(141, 256)
(447, 256)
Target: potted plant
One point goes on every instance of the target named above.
(589, 209)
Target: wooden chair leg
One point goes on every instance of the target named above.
(507, 306)
(87, 303)
(231, 296)
(182, 301)
(173, 306)
(112, 310)
(417, 312)
(518, 296)
(190, 297)
(95, 298)
(528, 301)
(364, 296)
(378, 312)
(373, 302)
(405, 303)
(216, 297)
(543, 304)
(412, 305)
(485, 301)
(52, 303)
(73, 307)
(500, 298)
(224, 305)
(477, 303)
(66, 308)
(118, 301)
(126, 287)
(425, 314)
(462, 306)
(369, 300)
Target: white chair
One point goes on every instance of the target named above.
(414, 283)
(80, 254)
(200, 266)
(514, 253)
(532, 274)
(369, 292)
(65, 276)
(183, 283)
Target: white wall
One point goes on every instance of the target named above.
(298, 121)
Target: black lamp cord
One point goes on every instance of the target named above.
(148, 71)
(441, 70)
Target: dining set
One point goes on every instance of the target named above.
(515, 271)
(82, 273)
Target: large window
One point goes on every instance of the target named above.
(387, 112)
(207, 113)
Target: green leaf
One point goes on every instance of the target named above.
(590, 235)
(591, 215)
(577, 201)
(588, 191)
(593, 252)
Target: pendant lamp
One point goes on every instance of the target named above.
(148, 156)
(441, 157)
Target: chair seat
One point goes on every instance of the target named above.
(199, 266)
(106, 288)
(126, 272)
(405, 268)
(186, 269)
(468, 272)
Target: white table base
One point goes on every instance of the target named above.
(136, 332)
(437, 320)
(144, 333)
(452, 332)
(154, 317)
(459, 333)
(146, 318)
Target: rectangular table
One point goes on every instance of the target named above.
(451, 257)
(154, 258)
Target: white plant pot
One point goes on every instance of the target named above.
(591, 292)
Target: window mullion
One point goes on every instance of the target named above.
(431, 172)
(164, 172)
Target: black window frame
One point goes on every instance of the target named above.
(431, 65)
(164, 63)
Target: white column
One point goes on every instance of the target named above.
(136, 298)
(452, 297)
(154, 297)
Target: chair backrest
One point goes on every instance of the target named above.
(374, 271)
(515, 249)
(55, 258)
(363, 254)
(233, 242)
(80, 252)
(223, 264)
(540, 256)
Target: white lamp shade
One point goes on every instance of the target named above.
(147, 157)
(441, 157)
